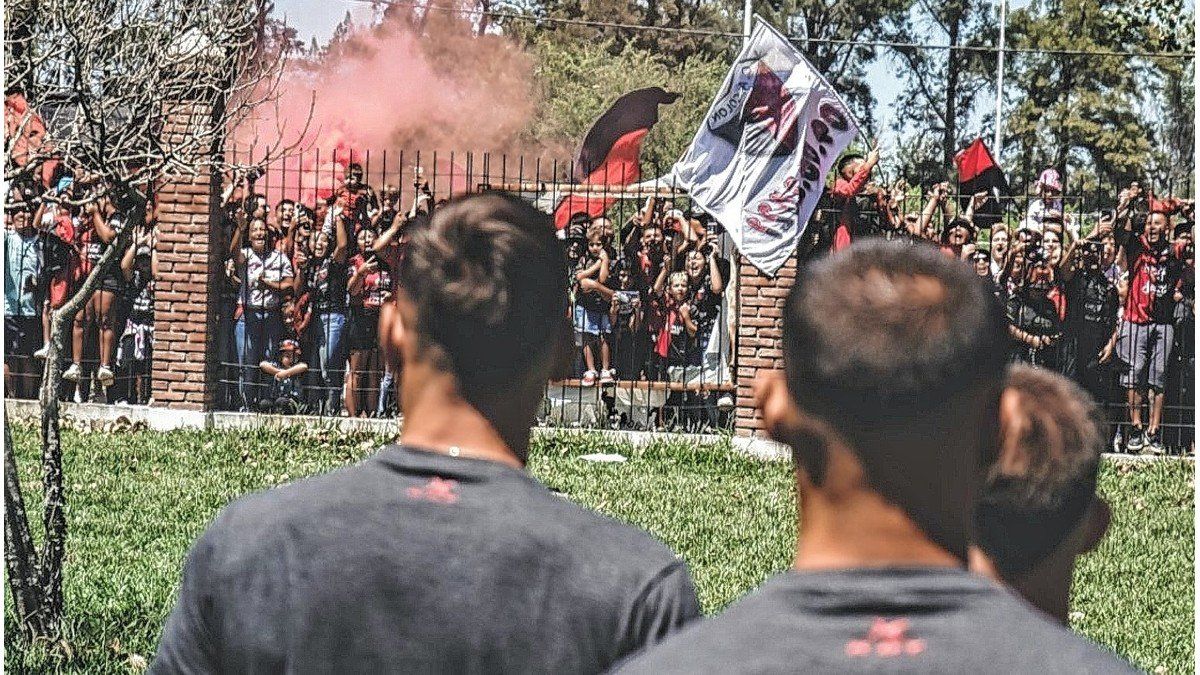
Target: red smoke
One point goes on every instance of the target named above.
(410, 83)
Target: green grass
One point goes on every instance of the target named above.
(137, 500)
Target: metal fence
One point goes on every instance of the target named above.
(627, 372)
(665, 377)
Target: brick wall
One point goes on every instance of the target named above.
(185, 362)
(760, 327)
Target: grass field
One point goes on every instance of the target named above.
(136, 501)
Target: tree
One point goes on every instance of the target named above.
(942, 86)
(114, 83)
(1076, 109)
(579, 82)
(831, 33)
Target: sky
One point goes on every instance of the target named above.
(317, 18)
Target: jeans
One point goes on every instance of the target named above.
(385, 384)
(331, 356)
(239, 357)
(260, 340)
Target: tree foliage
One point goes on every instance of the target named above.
(1104, 114)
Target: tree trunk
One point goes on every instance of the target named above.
(20, 555)
(36, 581)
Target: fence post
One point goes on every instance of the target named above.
(760, 301)
(184, 372)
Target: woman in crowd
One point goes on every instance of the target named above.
(998, 251)
(266, 276)
(369, 286)
(325, 277)
(1037, 315)
(135, 351)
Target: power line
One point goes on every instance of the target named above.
(729, 34)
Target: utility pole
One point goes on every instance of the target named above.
(747, 21)
(998, 143)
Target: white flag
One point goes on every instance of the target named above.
(759, 160)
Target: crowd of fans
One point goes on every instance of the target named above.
(303, 287)
(1106, 300)
(53, 238)
(1109, 303)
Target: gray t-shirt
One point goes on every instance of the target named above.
(416, 562)
(914, 620)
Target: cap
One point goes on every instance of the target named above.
(289, 345)
(1050, 179)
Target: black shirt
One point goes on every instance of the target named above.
(419, 562)
(327, 279)
(919, 620)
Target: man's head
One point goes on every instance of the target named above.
(849, 165)
(1038, 509)
(1157, 226)
(354, 175)
(479, 311)
(285, 210)
(958, 232)
(20, 220)
(894, 360)
(652, 239)
(998, 244)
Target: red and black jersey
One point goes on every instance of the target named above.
(1154, 273)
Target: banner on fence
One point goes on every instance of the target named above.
(759, 160)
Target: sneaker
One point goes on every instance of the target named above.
(71, 374)
(589, 378)
(1136, 440)
(607, 376)
(105, 375)
(1154, 444)
(42, 353)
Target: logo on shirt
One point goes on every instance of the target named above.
(437, 490)
(886, 639)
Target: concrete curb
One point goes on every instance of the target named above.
(166, 419)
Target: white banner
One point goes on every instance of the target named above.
(759, 160)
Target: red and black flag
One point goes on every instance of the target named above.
(978, 172)
(611, 150)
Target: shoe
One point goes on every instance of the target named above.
(589, 378)
(1154, 444)
(105, 375)
(1136, 440)
(42, 353)
(607, 376)
(71, 374)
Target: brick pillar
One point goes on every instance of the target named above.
(760, 328)
(185, 301)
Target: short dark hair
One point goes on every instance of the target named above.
(1045, 478)
(488, 278)
(846, 159)
(879, 340)
(958, 221)
(284, 202)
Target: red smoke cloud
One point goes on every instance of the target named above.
(410, 83)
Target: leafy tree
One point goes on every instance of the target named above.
(942, 87)
(117, 85)
(578, 82)
(1076, 110)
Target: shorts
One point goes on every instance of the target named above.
(61, 290)
(1145, 348)
(22, 335)
(364, 329)
(592, 321)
